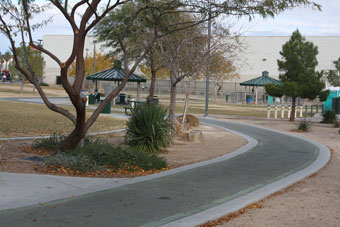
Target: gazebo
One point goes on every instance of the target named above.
(116, 74)
(260, 82)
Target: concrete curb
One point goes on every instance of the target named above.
(254, 196)
(115, 184)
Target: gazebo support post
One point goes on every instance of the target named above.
(96, 85)
(138, 90)
(245, 95)
(256, 92)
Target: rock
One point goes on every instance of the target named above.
(178, 128)
(191, 120)
(195, 135)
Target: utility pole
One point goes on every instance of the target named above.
(208, 70)
(94, 56)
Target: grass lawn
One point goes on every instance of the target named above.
(23, 119)
(223, 109)
(13, 90)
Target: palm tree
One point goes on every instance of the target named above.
(7, 56)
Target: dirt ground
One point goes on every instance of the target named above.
(218, 142)
(314, 201)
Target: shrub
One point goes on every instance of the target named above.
(44, 84)
(336, 124)
(77, 162)
(304, 125)
(329, 116)
(52, 143)
(98, 155)
(148, 128)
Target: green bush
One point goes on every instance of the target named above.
(44, 84)
(304, 125)
(148, 128)
(329, 117)
(77, 162)
(98, 155)
(52, 143)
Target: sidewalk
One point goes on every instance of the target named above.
(186, 196)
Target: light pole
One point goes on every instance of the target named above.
(208, 70)
(87, 53)
(94, 56)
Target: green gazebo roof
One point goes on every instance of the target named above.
(261, 81)
(114, 74)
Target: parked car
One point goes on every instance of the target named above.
(5, 76)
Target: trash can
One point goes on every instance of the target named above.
(122, 98)
(107, 108)
(58, 80)
(249, 99)
(91, 99)
(226, 98)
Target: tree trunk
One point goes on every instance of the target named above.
(215, 93)
(172, 110)
(21, 86)
(78, 132)
(152, 85)
(292, 114)
(186, 102)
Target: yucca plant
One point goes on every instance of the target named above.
(304, 125)
(329, 117)
(148, 128)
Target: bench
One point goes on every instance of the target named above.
(132, 105)
(126, 110)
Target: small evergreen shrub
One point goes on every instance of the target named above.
(148, 128)
(98, 155)
(77, 162)
(52, 143)
(44, 84)
(304, 125)
(329, 117)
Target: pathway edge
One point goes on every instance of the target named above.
(114, 184)
(261, 193)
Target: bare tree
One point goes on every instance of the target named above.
(83, 15)
(184, 54)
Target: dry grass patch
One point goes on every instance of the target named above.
(226, 110)
(13, 90)
(23, 119)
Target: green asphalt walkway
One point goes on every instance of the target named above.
(162, 200)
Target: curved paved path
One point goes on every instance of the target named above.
(170, 198)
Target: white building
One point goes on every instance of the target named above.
(261, 53)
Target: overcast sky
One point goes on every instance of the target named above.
(309, 22)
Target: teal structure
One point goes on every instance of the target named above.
(327, 105)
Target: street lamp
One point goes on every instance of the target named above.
(94, 56)
(87, 52)
(208, 70)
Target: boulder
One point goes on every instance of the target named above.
(195, 135)
(191, 120)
